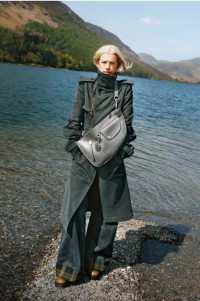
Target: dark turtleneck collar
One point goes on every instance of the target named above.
(106, 81)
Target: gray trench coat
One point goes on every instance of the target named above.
(113, 186)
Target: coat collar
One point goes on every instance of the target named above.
(105, 80)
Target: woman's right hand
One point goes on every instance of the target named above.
(75, 151)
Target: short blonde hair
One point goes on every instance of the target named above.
(111, 49)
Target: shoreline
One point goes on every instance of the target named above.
(93, 71)
(120, 281)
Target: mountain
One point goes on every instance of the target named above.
(14, 14)
(115, 40)
(49, 33)
(185, 70)
(149, 59)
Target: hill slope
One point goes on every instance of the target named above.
(49, 33)
(186, 70)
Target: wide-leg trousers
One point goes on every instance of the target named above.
(82, 249)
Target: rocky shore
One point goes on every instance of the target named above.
(119, 283)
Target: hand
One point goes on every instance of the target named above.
(75, 151)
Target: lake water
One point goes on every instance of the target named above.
(163, 175)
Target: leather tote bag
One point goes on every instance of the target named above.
(104, 140)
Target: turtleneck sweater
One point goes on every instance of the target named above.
(106, 81)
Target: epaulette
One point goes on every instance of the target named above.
(129, 82)
(85, 79)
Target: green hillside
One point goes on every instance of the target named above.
(48, 33)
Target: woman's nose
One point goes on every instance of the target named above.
(107, 66)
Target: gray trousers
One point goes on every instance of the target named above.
(80, 249)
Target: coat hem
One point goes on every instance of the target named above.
(118, 218)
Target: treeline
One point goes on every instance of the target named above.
(40, 44)
(68, 46)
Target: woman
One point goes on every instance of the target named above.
(101, 190)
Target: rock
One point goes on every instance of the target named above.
(119, 283)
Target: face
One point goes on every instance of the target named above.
(108, 64)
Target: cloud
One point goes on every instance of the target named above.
(149, 20)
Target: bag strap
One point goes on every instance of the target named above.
(94, 88)
(90, 113)
(116, 96)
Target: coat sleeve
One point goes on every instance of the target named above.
(73, 128)
(127, 110)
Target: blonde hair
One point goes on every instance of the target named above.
(111, 49)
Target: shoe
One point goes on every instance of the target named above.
(61, 282)
(94, 275)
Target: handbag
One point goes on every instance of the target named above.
(103, 141)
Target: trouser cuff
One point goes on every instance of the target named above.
(97, 264)
(67, 273)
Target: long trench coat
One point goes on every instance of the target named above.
(113, 186)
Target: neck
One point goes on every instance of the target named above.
(107, 81)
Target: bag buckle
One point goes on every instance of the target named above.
(97, 144)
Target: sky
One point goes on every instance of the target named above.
(167, 30)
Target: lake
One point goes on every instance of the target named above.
(163, 174)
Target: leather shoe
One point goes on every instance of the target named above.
(94, 275)
(61, 282)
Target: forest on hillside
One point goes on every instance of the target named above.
(70, 47)
(41, 44)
